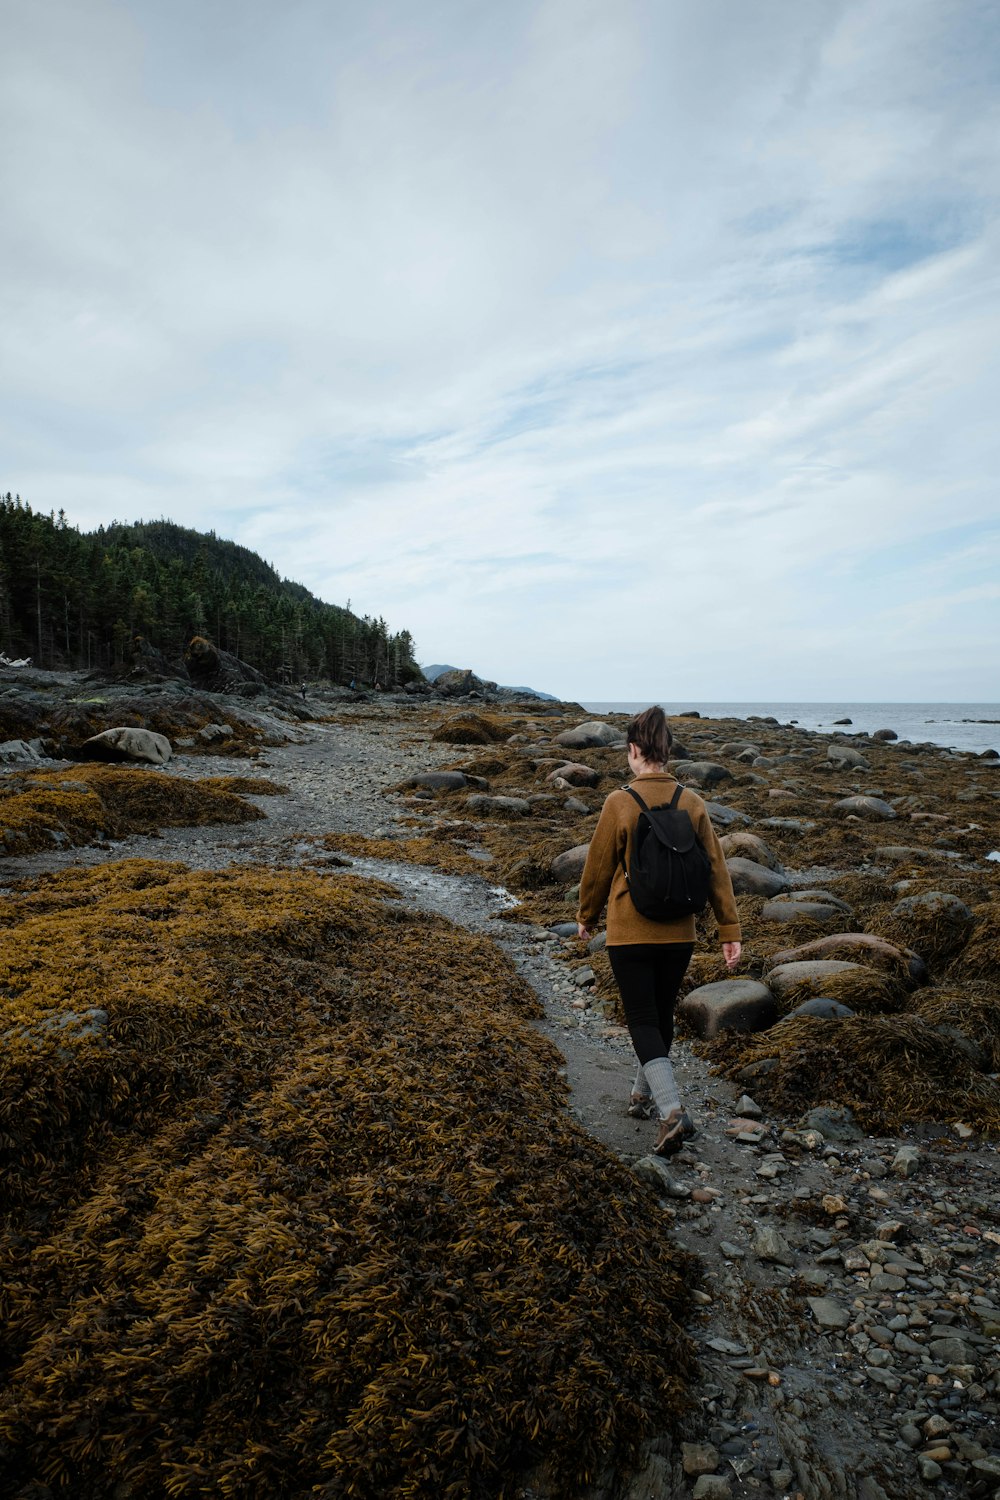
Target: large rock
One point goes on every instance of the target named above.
(885, 734)
(823, 1008)
(728, 1005)
(846, 759)
(127, 744)
(705, 773)
(220, 671)
(18, 753)
(571, 774)
(783, 979)
(723, 816)
(439, 781)
(742, 845)
(568, 866)
(864, 807)
(751, 879)
(734, 749)
(874, 950)
(792, 911)
(937, 921)
(504, 807)
(589, 735)
(899, 854)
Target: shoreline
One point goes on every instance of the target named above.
(787, 1398)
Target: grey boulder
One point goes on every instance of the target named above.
(723, 816)
(588, 735)
(728, 1005)
(439, 781)
(743, 845)
(823, 1009)
(127, 743)
(705, 773)
(18, 753)
(568, 866)
(864, 807)
(846, 759)
(752, 879)
(516, 807)
(791, 911)
(572, 774)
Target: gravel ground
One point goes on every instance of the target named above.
(849, 1304)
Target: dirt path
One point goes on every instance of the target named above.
(885, 1383)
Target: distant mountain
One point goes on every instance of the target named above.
(432, 673)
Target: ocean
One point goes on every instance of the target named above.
(960, 726)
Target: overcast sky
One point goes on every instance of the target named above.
(627, 348)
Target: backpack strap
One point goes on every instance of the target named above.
(670, 805)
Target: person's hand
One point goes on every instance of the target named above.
(582, 933)
(731, 953)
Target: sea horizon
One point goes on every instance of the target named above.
(958, 726)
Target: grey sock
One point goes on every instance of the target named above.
(660, 1077)
(641, 1088)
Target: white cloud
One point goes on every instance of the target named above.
(574, 337)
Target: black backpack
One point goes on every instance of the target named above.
(669, 873)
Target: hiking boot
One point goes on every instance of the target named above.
(677, 1128)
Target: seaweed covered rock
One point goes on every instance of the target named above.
(936, 923)
(259, 1243)
(889, 1070)
(853, 946)
(471, 729)
(856, 985)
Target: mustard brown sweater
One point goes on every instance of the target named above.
(603, 878)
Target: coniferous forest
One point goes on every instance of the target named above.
(93, 600)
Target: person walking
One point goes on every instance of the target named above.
(649, 957)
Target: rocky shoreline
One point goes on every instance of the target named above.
(849, 1309)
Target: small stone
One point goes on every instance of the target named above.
(884, 1281)
(889, 1229)
(907, 1160)
(781, 1479)
(828, 1314)
(928, 1468)
(936, 1426)
(833, 1203)
(768, 1244)
(950, 1351)
(712, 1487)
(939, 1454)
(653, 1170)
(747, 1109)
(699, 1458)
(910, 1435)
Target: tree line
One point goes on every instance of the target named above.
(72, 599)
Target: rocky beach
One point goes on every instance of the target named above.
(805, 1303)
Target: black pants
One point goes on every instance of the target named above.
(649, 976)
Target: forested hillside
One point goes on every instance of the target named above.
(70, 599)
